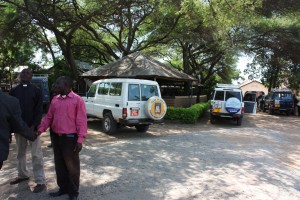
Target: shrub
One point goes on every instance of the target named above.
(187, 115)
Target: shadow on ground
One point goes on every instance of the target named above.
(258, 160)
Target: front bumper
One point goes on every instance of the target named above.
(281, 109)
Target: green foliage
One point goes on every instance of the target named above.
(187, 115)
(210, 85)
(274, 43)
(202, 38)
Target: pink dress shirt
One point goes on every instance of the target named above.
(66, 116)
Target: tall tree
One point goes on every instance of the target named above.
(130, 26)
(62, 18)
(16, 47)
(275, 42)
(111, 29)
(207, 38)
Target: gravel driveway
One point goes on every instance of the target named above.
(259, 160)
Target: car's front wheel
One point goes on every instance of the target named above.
(264, 108)
(109, 124)
(142, 128)
(270, 110)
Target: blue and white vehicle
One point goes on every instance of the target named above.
(227, 102)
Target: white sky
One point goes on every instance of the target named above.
(242, 65)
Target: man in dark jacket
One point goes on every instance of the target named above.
(31, 102)
(11, 121)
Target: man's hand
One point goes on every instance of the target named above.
(78, 147)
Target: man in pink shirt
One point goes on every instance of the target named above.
(67, 118)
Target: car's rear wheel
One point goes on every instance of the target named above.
(142, 128)
(213, 119)
(239, 121)
(109, 124)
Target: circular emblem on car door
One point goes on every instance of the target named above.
(233, 105)
(155, 108)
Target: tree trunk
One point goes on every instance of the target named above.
(186, 66)
(65, 46)
(185, 57)
(70, 60)
(48, 43)
(10, 77)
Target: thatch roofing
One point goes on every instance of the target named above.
(137, 65)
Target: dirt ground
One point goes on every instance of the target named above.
(258, 160)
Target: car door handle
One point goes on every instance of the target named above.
(117, 105)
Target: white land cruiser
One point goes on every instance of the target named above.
(125, 102)
(227, 102)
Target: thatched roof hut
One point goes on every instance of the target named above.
(138, 65)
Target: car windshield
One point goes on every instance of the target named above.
(282, 95)
(148, 91)
(230, 94)
(37, 84)
(43, 86)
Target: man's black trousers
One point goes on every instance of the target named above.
(67, 164)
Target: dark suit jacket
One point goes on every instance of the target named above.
(31, 103)
(11, 122)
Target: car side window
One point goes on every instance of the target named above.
(219, 95)
(115, 89)
(133, 92)
(275, 95)
(103, 88)
(267, 96)
(92, 91)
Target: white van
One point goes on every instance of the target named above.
(125, 102)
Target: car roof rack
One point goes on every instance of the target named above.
(40, 75)
(280, 90)
(231, 86)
